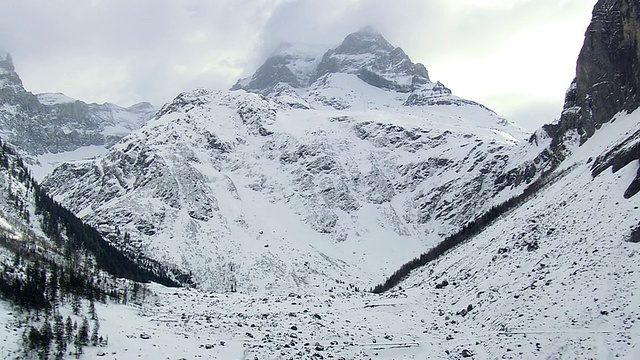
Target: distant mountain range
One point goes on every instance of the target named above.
(320, 176)
(53, 123)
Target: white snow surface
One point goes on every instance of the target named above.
(47, 162)
(553, 279)
(252, 194)
(54, 98)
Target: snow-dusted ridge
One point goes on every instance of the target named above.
(290, 200)
(260, 194)
(47, 128)
(366, 54)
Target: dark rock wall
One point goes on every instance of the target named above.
(607, 71)
(607, 81)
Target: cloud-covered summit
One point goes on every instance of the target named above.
(364, 53)
(493, 51)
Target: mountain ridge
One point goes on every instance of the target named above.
(54, 123)
(338, 152)
(365, 53)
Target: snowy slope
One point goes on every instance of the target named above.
(556, 277)
(553, 279)
(259, 194)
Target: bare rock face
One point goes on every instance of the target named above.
(607, 71)
(276, 70)
(55, 123)
(606, 83)
(9, 79)
(375, 61)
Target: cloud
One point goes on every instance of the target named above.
(128, 51)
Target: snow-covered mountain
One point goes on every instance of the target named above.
(365, 54)
(47, 128)
(309, 189)
(338, 179)
(551, 278)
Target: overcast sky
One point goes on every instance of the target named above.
(515, 56)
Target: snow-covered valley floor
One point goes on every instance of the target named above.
(190, 324)
(552, 279)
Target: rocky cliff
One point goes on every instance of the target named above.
(54, 123)
(606, 83)
(608, 69)
(313, 181)
(366, 54)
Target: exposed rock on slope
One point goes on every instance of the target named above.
(606, 83)
(54, 123)
(365, 54)
(608, 71)
(369, 56)
(262, 193)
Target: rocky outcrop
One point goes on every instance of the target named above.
(375, 61)
(365, 53)
(606, 83)
(54, 123)
(607, 71)
(278, 69)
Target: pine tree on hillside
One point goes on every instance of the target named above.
(83, 332)
(92, 310)
(46, 339)
(75, 304)
(94, 333)
(78, 346)
(52, 286)
(68, 329)
(59, 337)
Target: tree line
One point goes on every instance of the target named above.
(64, 269)
(38, 290)
(66, 230)
(468, 231)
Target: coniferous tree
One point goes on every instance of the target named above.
(33, 338)
(52, 286)
(68, 329)
(75, 304)
(92, 310)
(46, 338)
(77, 345)
(59, 337)
(83, 332)
(94, 332)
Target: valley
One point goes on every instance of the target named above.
(282, 216)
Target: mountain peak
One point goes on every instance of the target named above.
(367, 54)
(364, 41)
(364, 53)
(8, 76)
(280, 68)
(5, 60)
